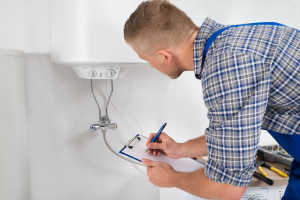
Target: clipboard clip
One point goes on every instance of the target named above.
(130, 141)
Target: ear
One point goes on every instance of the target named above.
(165, 55)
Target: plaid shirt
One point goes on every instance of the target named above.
(250, 81)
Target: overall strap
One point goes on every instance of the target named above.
(218, 32)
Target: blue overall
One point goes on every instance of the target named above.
(290, 143)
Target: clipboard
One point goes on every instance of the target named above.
(136, 147)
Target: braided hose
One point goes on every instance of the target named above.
(116, 153)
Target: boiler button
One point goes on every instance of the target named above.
(110, 73)
(92, 73)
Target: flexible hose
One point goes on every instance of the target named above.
(92, 90)
(108, 101)
(116, 153)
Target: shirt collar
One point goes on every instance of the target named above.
(199, 44)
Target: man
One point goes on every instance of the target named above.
(250, 77)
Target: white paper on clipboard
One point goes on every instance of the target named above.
(136, 148)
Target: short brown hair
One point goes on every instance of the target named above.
(157, 24)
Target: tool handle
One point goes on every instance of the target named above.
(262, 171)
(264, 179)
(279, 172)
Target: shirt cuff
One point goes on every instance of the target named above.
(218, 173)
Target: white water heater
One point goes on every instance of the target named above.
(88, 35)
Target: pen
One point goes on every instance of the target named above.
(157, 134)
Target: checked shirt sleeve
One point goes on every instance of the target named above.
(235, 90)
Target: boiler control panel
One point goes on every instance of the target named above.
(97, 71)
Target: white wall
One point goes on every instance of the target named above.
(14, 22)
(66, 161)
(25, 25)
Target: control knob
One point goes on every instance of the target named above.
(110, 73)
(92, 73)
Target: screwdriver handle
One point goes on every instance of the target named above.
(264, 179)
(262, 171)
(279, 172)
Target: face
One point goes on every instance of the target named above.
(161, 62)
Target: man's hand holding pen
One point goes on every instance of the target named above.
(164, 144)
(161, 174)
